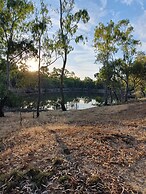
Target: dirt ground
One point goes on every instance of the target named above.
(97, 150)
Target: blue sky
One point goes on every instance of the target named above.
(82, 58)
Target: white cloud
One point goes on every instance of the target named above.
(82, 61)
(140, 26)
(129, 2)
(142, 47)
(141, 3)
(139, 30)
(103, 4)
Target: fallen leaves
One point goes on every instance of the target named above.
(70, 154)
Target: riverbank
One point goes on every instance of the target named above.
(57, 90)
(97, 150)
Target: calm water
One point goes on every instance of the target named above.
(81, 104)
(72, 101)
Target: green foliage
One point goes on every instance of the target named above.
(27, 80)
(22, 49)
(13, 15)
(109, 41)
(69, 25)
(138, 74)
(105, 42)
(139, 66)
(13, 100)
(41, 22)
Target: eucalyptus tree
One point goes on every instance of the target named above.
(109, 41)
(13, 15)
(128, 46)
(138, 73)
(40, 26)
(105, 44)
(69, 25)
(13, 44)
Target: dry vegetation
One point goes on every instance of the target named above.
(99, 150)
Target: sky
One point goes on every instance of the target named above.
(82, 59)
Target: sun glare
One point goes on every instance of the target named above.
(32, 64)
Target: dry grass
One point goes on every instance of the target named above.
(100, 150)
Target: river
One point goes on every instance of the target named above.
(74, 100)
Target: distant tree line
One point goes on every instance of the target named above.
(24, 81)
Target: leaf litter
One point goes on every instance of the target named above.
(99, 150)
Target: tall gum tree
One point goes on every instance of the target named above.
(105, 48)
(40, 26)
(12, 17)
(128, 46)
(109, 41)
(67, 33)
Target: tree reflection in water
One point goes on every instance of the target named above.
(52, 102)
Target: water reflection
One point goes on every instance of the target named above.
(52, 102)
(82, 103)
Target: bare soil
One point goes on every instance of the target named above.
(97, 150)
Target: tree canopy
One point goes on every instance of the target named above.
(116, 49)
